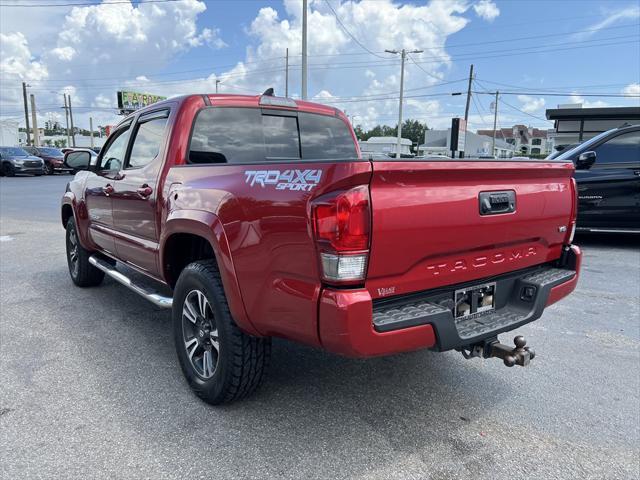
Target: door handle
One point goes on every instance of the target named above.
(144, 191)
(107, 189)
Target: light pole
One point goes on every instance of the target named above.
(304, 50)
(403, 53)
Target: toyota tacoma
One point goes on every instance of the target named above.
(261, 218)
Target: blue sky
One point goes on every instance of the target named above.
(526, 48)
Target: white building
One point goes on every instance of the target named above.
(386, 145)
(525, 140)
(438, 142)
(9, 133)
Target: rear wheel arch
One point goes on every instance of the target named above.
(66, 213)
(197, 235)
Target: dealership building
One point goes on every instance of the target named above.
(575, 124)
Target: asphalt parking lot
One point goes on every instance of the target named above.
(91, 387)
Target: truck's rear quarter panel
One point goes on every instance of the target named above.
(270, 236)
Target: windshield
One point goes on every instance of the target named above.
(13, 152)
(54, 152)
(583, 146)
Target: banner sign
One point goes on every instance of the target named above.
(131, 101)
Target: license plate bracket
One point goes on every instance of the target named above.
(474, 301)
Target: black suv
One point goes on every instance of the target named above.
(608, 177)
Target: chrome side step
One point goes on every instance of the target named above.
(153, 297)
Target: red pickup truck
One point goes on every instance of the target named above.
(263, 219)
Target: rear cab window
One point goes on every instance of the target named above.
(231, 135)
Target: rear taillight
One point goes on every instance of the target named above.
(571, 230)
(342, 223)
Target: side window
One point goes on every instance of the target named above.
(147, 142)
(227, 135)
(325, 138)
(113, 156)
(624, 148)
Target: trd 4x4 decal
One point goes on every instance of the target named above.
(296, 180)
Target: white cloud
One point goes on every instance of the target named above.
(632, 89)
(16, 59)
(378, 25)
(577, 98)
(531, 104)
(628, 13)
(486, 10)
(64, 53)
(99, 45)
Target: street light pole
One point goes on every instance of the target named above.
(304, 49)
(217, 83)
(286, 74)
(403, 53)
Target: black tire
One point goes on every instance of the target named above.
(48, 168)
(8, 170)
(241, 360)
(82, 272)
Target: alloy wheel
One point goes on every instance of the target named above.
(200, 334)
(73, 250)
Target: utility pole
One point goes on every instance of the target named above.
(91, 130)
(403, 54)
(495, 121)
(26, 111)
(304, 49)
(36, 137)
(466, 108)
(286, 74)
(66, 116)
(73, 131)
(217, 83)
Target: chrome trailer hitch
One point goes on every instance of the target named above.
(518, 355)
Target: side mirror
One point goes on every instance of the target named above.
(586, 160)
(77, 160)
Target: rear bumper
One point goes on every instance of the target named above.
(351, 324)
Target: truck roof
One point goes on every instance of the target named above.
(234, 100)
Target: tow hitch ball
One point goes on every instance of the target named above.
(518, 355)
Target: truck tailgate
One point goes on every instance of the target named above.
(428, 230)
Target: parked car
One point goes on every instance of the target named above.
(261, 217)
(608, 177)
(53, 158)
(17, 160)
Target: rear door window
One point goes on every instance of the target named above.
(147, 142)
(227, 135)
(250, 135)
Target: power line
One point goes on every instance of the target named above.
(417, 65)
(564, 94)
(333, 66)
(349, 33)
